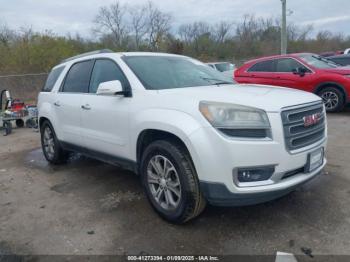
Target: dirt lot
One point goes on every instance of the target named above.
(88, 207)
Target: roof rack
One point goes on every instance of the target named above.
(102, 51)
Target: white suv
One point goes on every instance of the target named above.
(192, 135)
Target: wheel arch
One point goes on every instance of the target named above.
(42, 119)
(331, 84)
(148, 136)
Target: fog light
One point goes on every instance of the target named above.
(255, 174)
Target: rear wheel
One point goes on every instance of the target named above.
(19, 123)
(52, 149)
(332, 98)
(171, 182)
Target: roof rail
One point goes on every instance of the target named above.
(102, 51)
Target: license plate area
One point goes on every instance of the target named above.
(315, 160)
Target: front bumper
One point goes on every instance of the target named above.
(217, 157)
(218, 195)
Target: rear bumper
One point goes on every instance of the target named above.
(217, 194)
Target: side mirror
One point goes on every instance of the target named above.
(301, 71)
(110, 88)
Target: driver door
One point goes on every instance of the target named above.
(286, 74)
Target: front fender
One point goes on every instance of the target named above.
(178, 123)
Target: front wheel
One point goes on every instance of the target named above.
(171, 182)
(332, 98)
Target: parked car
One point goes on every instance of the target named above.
(223, 67)
(191, 135)
(347, 51)
(331, 53)
(304, 71)
(342, 60)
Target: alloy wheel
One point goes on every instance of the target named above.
(330, 100)
(49, 143)
(163, 182)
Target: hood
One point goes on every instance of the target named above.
(268, 98)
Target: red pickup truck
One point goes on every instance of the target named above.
(304, 71)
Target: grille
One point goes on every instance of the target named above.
(296, 134)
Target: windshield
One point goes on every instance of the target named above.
(222, 67)
(167, 72)
(317, 61)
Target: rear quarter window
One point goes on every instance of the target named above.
(52, 78)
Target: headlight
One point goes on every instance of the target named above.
(236, 120)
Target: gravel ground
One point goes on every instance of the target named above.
(87, 207)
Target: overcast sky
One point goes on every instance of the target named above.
(64, 16)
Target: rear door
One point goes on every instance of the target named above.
(105, 118)
(260, 73)
(67, 102)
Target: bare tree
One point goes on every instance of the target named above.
(6, 34)
(139, 21)
(222, 30)
(111, 19)
(186, 33)
(158, 25)
(191, 32)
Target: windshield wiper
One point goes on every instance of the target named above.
(218, 81)
(324, 59)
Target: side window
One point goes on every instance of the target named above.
(78, 77)
(265, 66)
(52, 78)
(106, 70)
(287, 65)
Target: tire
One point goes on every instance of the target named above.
(30, 123)
(332, 98)
(19, 123)
(188, 201)
(51, 147)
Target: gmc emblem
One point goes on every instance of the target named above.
(312, 119)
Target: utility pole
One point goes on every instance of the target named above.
(284, 28)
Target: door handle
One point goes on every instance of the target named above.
(86, 107)
(57, 103)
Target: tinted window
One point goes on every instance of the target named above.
(265, 66)
(52, 78)
(78, 77)
(166, 72)
(287, 65)
(105, 70)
